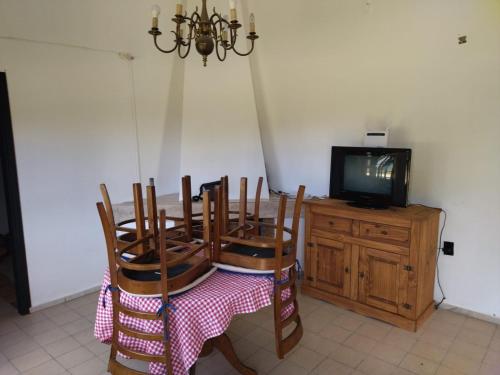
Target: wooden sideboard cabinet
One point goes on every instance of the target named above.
(380, 263)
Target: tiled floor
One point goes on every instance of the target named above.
(59, 340)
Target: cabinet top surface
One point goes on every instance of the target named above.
(412, 212)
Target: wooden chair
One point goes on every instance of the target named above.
(143, 224)
(139, 274)
(245, 250)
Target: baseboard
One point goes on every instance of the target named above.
(65, 299)
(470, 313)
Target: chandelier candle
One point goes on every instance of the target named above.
(208, 33)
(156, 12)
(232, 10)
(252, 23)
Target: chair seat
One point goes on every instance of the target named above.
(148, 283)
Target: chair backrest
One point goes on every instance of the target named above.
(242, 213)
(139, 229)
(138, 258)
(246, 233)
(114, 259)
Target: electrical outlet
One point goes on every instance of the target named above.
(449, 248)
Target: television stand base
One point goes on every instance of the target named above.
(368, 205)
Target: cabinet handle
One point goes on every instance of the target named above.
(362, 274)
(347, 270)
(331, 222)
(384, 232)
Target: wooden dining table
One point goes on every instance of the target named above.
(198, 320)
(173, 207)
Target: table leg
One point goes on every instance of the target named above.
(223, 343)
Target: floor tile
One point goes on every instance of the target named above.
(462, 364)
(375, 332)
(428, 351)
(335, 333)
(306, 358)
(436, 339)
(48, 368)
(330, 366)
(348, 356)
(64, 317)
(31, 360)
(374, 366)
(62, 346)
(465, 349)
(92, 367)
(75, 357)
(12, 338)
(347, 322)
(288, 368)
(8, 369)
(475, 337)
(360, 343)
(479, 325)
(400, 340)
(39, 328)
(51, 336)
(495, 345)
(487, 369)
(262, 361)
(388, 353)
(419, 365)
(21, 348)
(443, 370)
(77, 326)
(318, 344)
(316, 321)
(492, 358)
(7, 326)
(245, 348)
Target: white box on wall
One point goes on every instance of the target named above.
(376, 138)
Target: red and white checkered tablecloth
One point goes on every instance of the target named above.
(202, 313)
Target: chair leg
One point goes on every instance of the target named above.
(285, 345)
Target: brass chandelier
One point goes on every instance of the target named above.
(209, 33)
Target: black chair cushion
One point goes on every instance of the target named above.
(155, 275)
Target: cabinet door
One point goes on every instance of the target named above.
(332, 266)
(383, 280)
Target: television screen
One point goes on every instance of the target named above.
(369, 173)
(370, 177)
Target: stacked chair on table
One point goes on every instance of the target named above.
(154, 263)
(128, 230)
(254, 247)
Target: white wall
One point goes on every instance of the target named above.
(321, 81)
(82, 116)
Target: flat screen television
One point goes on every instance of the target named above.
(370, 177)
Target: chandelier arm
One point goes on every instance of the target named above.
(234, 38)
(218, 54)
(245, 54)
(188, 45)
(155, 39)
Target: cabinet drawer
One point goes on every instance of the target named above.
(384, 233)
(332, 223)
